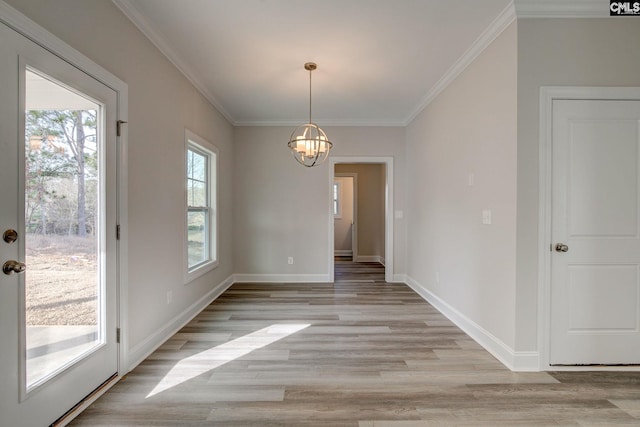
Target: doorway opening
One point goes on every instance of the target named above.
(361, 228)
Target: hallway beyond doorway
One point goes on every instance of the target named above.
(349, 271)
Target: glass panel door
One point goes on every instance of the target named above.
(58, 211)
(62, 227)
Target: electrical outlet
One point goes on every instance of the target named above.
(290, 260)
(169, 297)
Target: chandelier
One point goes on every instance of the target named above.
(308, 143)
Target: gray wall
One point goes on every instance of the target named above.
(558, 52)
(282, 209)
(470, 128)
(161, 104)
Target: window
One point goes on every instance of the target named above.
(201, 217)
(337, 206)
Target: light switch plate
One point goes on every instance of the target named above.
(486, 216)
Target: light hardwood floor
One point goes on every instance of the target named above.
(359, 352)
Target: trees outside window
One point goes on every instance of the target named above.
(61, 175)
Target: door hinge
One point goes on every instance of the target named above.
(118, 335)
(119, 124)
(118, 232)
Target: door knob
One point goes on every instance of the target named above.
(561, 247)
(12, 266)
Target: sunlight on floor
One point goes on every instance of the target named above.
(212, 358)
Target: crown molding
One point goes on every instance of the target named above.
(562, 8)
(502, 21)
(323, 123)
(517, 9)
(127, 7)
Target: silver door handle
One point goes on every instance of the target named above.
(12, 266)
(561, 247)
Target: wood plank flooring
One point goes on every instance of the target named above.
(359, 352)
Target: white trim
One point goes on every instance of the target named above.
(30, 29)
(389, 210)
(499, 24)
(147, 29)
(337, 199)
(210, 150)
(547, 95)
(562, 8)
(325, 122)
(343, 252)
(515, 9)
(281, 278)
(142, 350)
(515, 361)
(85, 403)
(370, 258)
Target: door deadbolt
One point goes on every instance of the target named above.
(561, 247)
(12, 266)
(10, 236)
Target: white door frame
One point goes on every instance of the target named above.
(547, 95)
(354, 207)
(389, 234)
(28, 28)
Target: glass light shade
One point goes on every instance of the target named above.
(309, 145)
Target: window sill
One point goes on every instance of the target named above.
(199, 271)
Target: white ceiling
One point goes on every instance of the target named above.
(379, 61)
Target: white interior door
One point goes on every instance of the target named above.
(58, 313)
(595, 262)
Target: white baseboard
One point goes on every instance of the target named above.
(526, 361)
(281, 278)
(399, 278)
(141, 351)
(370, 258)
(343, 252)
(514, 360)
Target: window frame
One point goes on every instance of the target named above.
(337, 199)
(199, 145)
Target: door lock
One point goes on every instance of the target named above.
(10, 236)
(561, 247)
(12, 266)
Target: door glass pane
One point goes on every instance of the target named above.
(62, 225)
